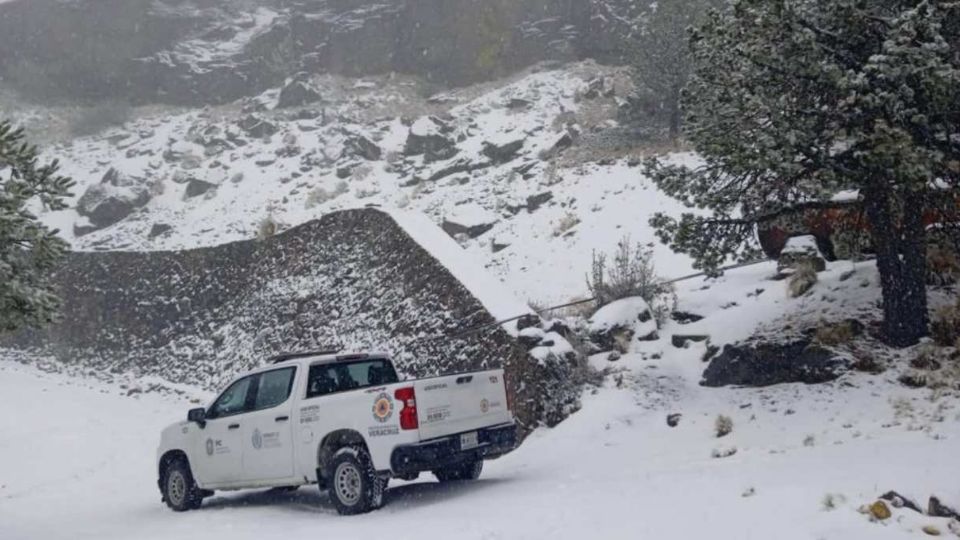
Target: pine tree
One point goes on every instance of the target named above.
(29, 251)
(793, 100)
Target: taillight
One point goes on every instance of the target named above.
(506, 390)
(408, 414)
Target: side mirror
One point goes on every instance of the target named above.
(198, 415)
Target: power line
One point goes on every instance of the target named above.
(477, 329)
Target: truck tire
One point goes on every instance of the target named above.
(457, 473)
(355, 487)
(180, 491)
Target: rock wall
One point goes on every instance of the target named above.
(352, 280)
(195, 52)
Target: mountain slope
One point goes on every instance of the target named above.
(530, 173)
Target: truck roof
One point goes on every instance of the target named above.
(324, 356)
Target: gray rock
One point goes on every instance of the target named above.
(159, 229)
(503, 153)
(766, 364)
(196, 187)
(434, 146)
(297, 94)
(472, 231)
(113, 199)
(534, 202)
(530, 320)
(257, 127)
(363, 147)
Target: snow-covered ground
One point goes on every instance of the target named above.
(78, 463)
(77, 454)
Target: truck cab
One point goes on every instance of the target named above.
(343, 421)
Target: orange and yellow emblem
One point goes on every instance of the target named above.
(382, 408)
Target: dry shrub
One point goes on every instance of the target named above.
(943, 265)
(945, 327)
(567, 222)
(632, 274)
(835, 334)
(319, 196)
(267, 227)
(933, 367)
(723, 425)
(802, 280)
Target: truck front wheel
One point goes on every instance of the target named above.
(465, 471)
(180, 492)
(355, 487)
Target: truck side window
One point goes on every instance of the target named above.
(331, 378)
(274, 388)
(233, 400)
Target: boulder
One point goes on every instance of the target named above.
(503, 153)
(900, 501)
(615, 326)
(673, 420)
(471, 220)
(534, 202)
(113, 199)
(363, 147)
(297, 93)
(427, 138)
(937, 509)
(257, 127)
(800, 251)
(765, 364)
(197, 187)
(83, 226)
(159, 229)
(528, 321)
(531, 337)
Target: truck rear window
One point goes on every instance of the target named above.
(331, 378)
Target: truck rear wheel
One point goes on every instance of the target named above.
(180, 491)
(355, 487)
(465, 471)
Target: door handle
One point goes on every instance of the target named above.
(282, 418)
(233, 426)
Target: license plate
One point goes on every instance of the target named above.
(469, 441)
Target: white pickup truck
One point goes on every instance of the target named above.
(343, 421)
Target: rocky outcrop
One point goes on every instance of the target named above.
(352, 280)
(113, 199)
(766, 364)
(617, 325)
(297, 94)
(428, 137)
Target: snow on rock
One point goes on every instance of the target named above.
(113, 199)
(471, 220)
(616, 325)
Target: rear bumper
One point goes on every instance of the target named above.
(437, 453)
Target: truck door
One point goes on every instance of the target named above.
(267, 431)
(219, 457)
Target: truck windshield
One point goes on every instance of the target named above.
(330, 378)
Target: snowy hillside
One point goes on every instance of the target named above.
(530, 175)
(799, 462)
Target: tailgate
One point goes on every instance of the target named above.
(459, 403)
